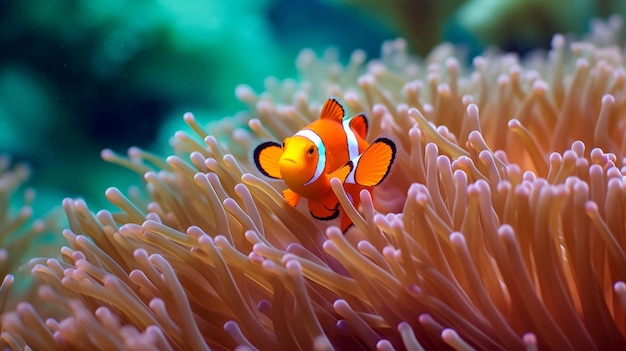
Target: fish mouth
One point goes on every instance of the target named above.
(289, 160)
(290, 166)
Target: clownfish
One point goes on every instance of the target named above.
(331, 147)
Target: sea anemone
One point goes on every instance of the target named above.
(11, 178)
(18, 232)
(501, 226)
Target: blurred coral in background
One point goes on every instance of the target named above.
(501, 226)
(513, 25)
(21, 237)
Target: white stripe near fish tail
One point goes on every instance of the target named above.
(321, 152)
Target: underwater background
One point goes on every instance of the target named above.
(80, 76)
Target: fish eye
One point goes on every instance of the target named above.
(311, 150)
(283, 145)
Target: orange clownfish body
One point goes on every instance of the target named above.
(332, 146)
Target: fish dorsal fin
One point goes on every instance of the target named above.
(373, 165)
(266, 157)
(358, 123)
(332, 110)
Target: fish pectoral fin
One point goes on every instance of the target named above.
(322, 211)
(332, 110)
(291, 197)
(359, 125)
(342, 172)
(266, 157)
(373, 165)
